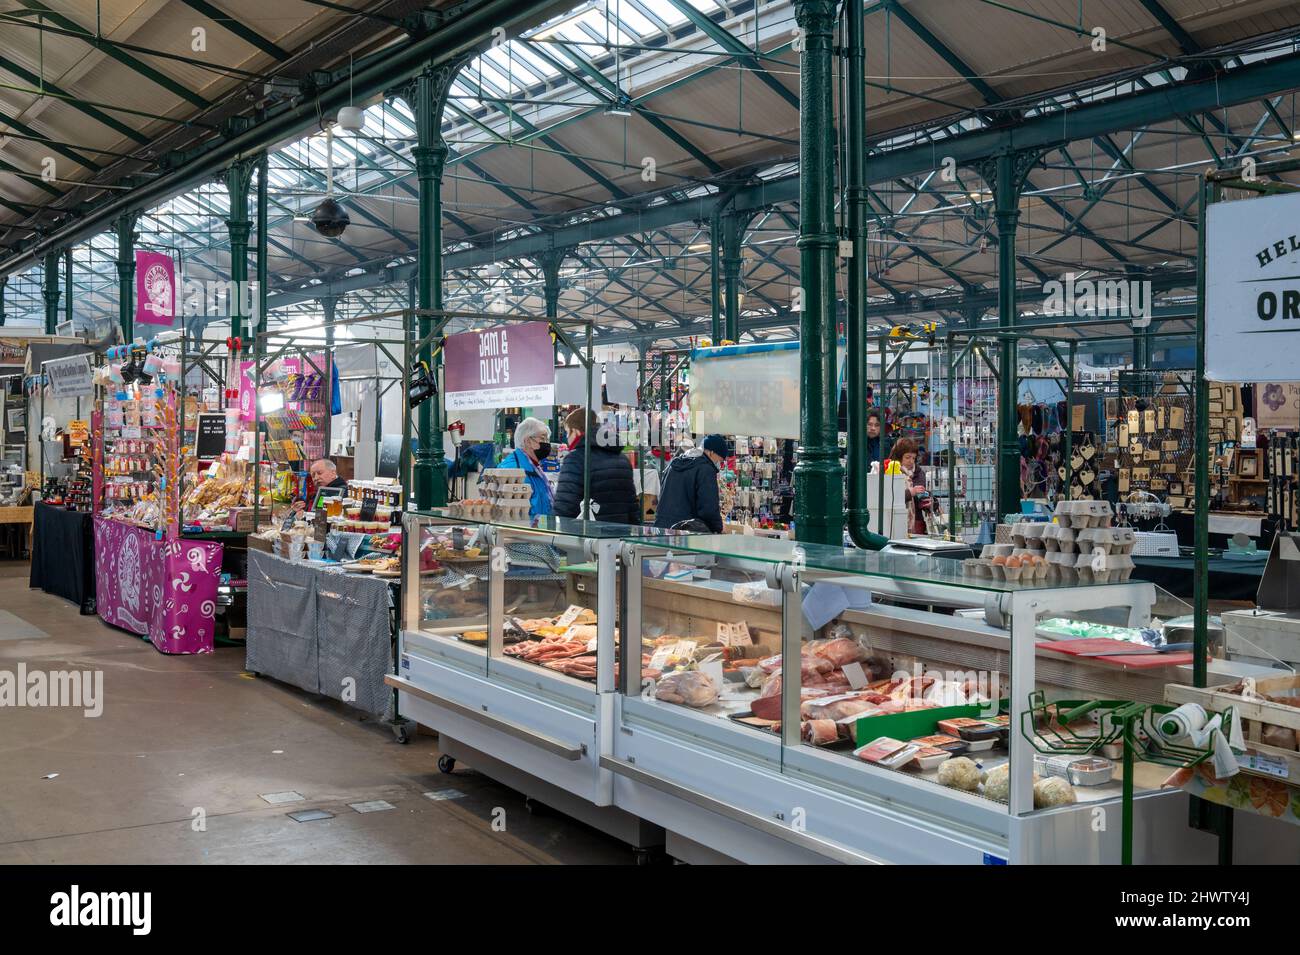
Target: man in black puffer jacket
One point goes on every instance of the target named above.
(689, 487)
(613, 492)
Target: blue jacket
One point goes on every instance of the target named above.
(540, 503)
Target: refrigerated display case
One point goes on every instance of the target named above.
(508, 650)
(738, 761)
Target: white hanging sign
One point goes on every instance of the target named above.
(1252, 290)
(70, 377)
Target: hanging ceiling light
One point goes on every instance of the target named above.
(620, 107)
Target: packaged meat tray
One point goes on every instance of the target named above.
(888, 752)
(949, 744)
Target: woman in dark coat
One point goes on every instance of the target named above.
(613, 492)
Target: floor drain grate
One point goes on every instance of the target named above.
(438, 795)
(310, 815)
(374, 805)
(276, 799)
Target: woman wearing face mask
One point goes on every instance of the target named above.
(532, 446)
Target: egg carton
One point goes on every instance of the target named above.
(506, 493)
(1112, 568)
(981, 567)
(1029, 535)
(1058, 538)
(1063, 565)
(503, 475)
(997, 550)
(1084, 514)
(1109, 540)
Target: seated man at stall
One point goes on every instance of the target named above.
(324, 473)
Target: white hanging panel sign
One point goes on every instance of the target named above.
(1252, 290)
(70, 377)
(748, 389)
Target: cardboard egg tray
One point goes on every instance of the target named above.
(1084, 514)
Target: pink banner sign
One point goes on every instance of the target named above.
(314, 364)
(164, 590)
(509, 366)
(155, 288)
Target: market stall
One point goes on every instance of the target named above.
(325, 629)
(908, 663)
(63, 554)
(149, 580)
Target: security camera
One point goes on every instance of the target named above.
(330, 219)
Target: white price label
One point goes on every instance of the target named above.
(659, 659)
(569, 616)
(856, 676)
(1272, 765)
(713, 670)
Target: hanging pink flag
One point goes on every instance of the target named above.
(155, 288)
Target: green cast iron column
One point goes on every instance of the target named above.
(124, 226)
(1006, 210)
(239, 177)
(329, 306)
(818, 477)
(550, 261)
(733, 235)
(716, 330)
(50, 291)
(263, 262)
(67, 284)
(1005, 174)
(428, 97)
(4, 281)
(858, 513)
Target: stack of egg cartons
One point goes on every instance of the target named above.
(508, 492)
(1088, 548)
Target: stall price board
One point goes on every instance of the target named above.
(211, 440)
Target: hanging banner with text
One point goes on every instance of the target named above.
(1252, 290)
(155, 288)
(13, 351)
(70, 377)
(506, 367)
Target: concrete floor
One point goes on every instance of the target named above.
(182, 734)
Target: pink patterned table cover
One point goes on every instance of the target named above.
(163, 590)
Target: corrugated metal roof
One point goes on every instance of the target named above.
(540, 144)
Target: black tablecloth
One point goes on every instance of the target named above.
(1229, 579)
(62, 545)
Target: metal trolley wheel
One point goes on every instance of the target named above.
(401, 733)
(446, 764)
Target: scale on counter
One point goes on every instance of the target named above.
(1279, 589)
(931, 547)
(1270, 634)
